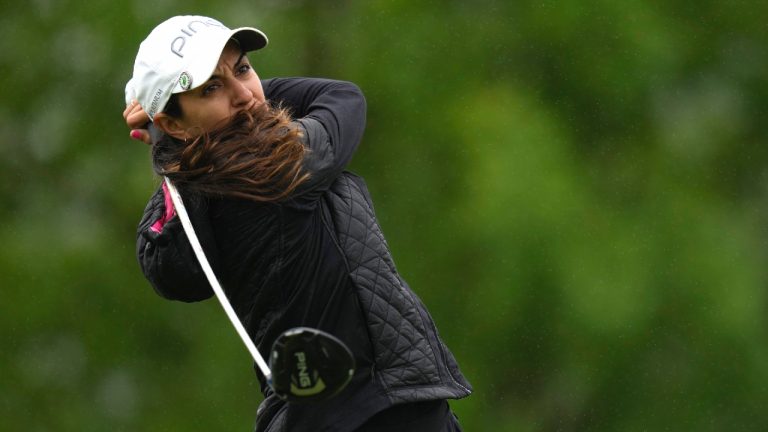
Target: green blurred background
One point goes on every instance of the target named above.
(576, 189)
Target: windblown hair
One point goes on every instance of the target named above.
(257, 156)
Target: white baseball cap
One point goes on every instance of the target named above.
(179, 55)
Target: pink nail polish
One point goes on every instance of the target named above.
(135, 134)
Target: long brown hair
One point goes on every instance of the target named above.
(257, 156)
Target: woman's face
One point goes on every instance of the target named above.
(233, 87)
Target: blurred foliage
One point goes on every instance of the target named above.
(577, 190)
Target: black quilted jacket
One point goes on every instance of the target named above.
(318, 260)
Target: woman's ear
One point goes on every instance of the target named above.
(171, 126)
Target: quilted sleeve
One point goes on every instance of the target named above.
(165, 256)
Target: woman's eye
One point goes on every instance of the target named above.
(244, 68)
(210, 89)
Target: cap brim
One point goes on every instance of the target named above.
(250, 39)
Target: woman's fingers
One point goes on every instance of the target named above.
(129, 108)
(141, 135)
(134, 115)
(136, 119)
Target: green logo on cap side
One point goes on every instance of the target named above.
(185, 81)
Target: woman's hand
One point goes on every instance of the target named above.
(137, 120)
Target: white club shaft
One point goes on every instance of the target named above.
(187, 224)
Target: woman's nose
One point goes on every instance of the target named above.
(242, 95)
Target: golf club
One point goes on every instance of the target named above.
(306, 364)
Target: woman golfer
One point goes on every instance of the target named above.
(291, 235)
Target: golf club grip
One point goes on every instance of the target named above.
(193, 240)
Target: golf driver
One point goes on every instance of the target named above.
(306, 364)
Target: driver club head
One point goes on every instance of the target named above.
(309, 365)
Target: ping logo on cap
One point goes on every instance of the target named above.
(177, 45)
